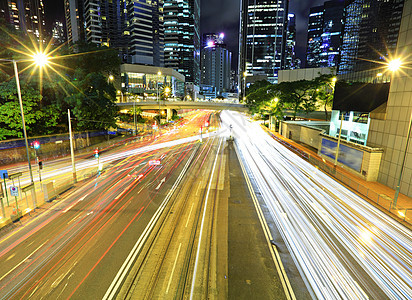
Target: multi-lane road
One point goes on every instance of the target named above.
(344, 247)
(194, 227)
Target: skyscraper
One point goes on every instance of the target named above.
(215, 63)
(291, 61)
(370, 34)
(266, 37)
(133, 27)
(145, 32)
(74, 21)
(182, 37)
(25, 15)
(324, 34)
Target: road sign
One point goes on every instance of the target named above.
(14, 191)
(154, 162)
(4, 174)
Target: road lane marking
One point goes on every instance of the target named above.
(190, 213)
(266, 231)
(173, 269)
(203, 221)
(161, 182)
(127, 264)
(16, 266)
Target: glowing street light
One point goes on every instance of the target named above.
(110, 78)
(394, 64)
(40, 59)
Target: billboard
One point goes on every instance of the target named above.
(348, 156)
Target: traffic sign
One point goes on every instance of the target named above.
(4, 174)
(14, 191)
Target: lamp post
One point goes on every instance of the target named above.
(40, 59)
(158, 100)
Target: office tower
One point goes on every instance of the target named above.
(25, 15)
(242, 48)
(370, 36)
(291, 61)
(216, 62)
(74, 21)
(134, 28)
(58, 33)
(145, 32)
(266, 37)
(182, 37)
(324, 34)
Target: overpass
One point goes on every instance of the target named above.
(177, 105)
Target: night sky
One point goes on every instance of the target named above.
(223, 16)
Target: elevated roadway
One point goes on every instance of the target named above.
(184, 105)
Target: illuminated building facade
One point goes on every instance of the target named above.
(182, 38)
(25, 15)
(324, 34)
(266, 37)
(135, 28)
(215, 63)
(371, 31)
(145, 32)
(291, 61)
(58, 33)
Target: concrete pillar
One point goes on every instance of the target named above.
(169, 114)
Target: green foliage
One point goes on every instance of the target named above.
(10, 116)
(76, 81)
(93, 103)
(304, 95)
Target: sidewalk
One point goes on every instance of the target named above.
(381, 196)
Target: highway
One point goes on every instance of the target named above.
(344, 247)
(144, 231)
(74, 247)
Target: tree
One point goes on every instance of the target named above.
(10, 115)
(93, 103)
(326, 86)
(293, 94)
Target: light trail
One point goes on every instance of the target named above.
(343, 246)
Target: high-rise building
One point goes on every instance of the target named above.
(242, 48)
(145, 32)
(215, 63)
(58, 33)
(370, 36)
(74, 21)
(266, 37)
(324, 34)
(25, 15)
(182, 37)
(134, 28)
(291, 61)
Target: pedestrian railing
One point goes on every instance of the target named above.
(382, 200)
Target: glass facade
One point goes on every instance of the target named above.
(266, 37)
(182, 37)
(145, 82)
(324, 34)
(370, 34)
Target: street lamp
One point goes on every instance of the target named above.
(110, 78)
(158, 100)
(40, 59)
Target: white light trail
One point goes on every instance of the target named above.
(342, 245)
